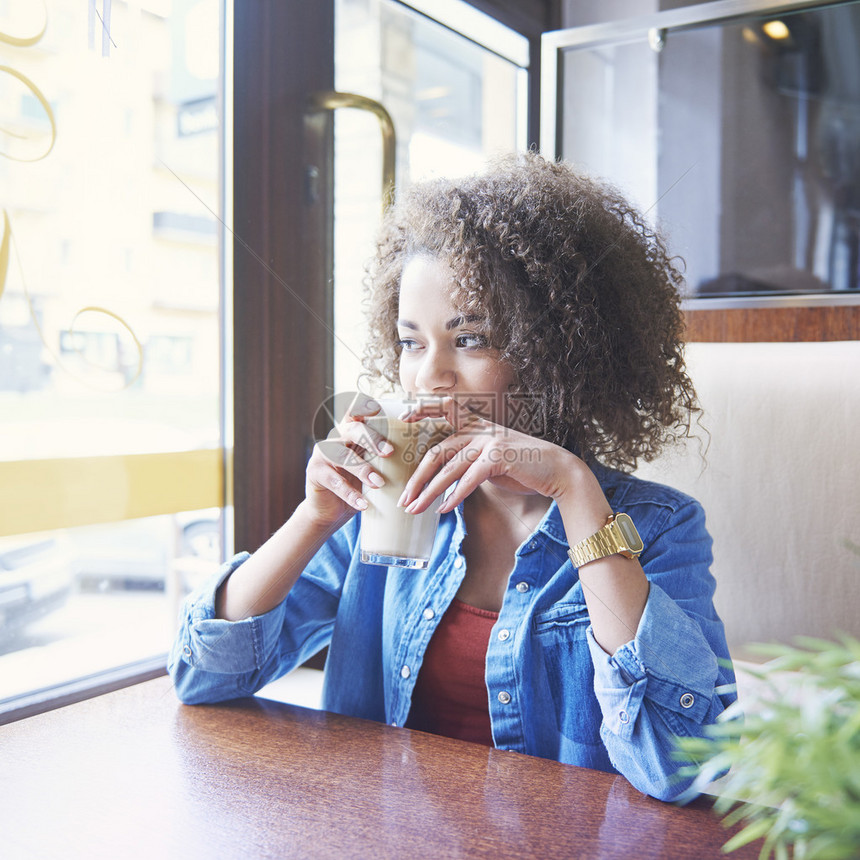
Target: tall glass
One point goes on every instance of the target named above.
(390, 535)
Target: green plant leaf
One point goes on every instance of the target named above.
(794, 756)
(750, 833)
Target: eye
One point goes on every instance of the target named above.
(471, 341)
(407, 344)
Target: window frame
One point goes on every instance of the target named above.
(817, 317)
(272, 436)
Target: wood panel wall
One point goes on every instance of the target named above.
(756, 325)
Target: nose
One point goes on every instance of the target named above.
(435, 373)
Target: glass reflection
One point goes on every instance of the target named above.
(741, 141)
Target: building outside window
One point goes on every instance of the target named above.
(115, 319)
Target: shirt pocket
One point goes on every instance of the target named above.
(560, 635)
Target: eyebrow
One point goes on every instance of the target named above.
(454, 322)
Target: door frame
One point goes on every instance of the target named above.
(282, 251)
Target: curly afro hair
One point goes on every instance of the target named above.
(579, 295)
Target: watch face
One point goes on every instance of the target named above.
(629, 533)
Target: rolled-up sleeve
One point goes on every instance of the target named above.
(670, 680)
(213, 659)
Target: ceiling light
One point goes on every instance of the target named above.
(776, 30)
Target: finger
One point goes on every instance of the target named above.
(476, 473)
(325, 478)
(345, 490)
(365, 440)
(336, 452)
(349, 459)
(433, 461)
(363, 406)
(452, 472)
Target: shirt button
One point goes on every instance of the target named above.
(522, 587)
(504, 697)
(429, 614)
(532, 544)
(405, 672)
(186, 651)
(394, 724)
(624, 717)
(504, 635)
(459, 562)
(687, 700)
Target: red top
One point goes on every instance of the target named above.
(450, 696)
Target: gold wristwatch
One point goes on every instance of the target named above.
(619, 535)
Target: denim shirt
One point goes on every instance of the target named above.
(552, 690)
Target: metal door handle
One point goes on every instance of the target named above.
(332, 100)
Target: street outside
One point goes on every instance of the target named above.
(96, 631)
(92, 632)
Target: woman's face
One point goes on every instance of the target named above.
(443, 352)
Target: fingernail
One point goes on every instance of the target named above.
(375, 480)
(410, 509)
(385, 447)
(361, 504)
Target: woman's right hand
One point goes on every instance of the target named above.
(342, 463)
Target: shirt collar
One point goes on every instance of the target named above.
(552, 526)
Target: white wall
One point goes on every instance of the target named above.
(780, 487)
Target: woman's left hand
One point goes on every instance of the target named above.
(479, 451)
(615, 587)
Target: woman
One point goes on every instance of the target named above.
(543, 315)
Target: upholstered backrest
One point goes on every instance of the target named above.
(781, 485)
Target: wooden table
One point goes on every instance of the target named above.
(136, 774)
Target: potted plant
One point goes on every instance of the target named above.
(792, 751)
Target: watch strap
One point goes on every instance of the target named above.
(604, 542)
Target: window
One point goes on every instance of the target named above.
(112, 405)
(455, 87)
(714, 122)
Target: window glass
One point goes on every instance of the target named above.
(111, 401)
(454, 103)
(741, 139)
